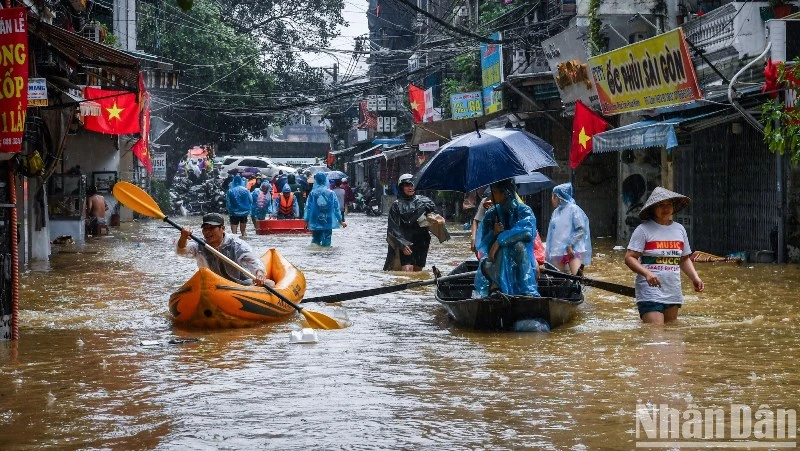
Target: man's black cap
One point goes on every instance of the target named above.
(213, 219)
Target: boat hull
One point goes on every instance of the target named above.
(557, 305)
(210, 301)
(281, 226)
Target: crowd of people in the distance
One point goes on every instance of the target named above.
(321, 203)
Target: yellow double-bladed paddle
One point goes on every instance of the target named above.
(139, 201)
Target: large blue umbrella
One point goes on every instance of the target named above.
(532, 183)
(480, 158)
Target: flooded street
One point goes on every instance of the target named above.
(398, 378)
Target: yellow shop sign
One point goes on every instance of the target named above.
(648, 74)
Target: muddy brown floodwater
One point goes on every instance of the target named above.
(400, 377)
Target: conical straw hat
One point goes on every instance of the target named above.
(678, 200)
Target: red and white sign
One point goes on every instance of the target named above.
(14, 78)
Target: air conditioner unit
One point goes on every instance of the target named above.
(413, 63)
(420, 21)
(519, 61)
(462, 16)
(785, 38)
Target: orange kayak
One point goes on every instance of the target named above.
(210, 301)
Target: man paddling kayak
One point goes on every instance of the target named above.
(228, 244)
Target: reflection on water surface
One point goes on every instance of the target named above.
(398, 377)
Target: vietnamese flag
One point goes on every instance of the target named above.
(119, 113)
(416, 97)
(587, 123)
(142, 147)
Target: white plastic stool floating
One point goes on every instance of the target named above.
(305, 335)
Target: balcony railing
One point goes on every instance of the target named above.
(736, 24)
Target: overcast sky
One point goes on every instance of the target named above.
(355, 13)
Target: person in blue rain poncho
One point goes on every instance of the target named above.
(322, 211)
(262, 202)
(569, 244)
(239, 203)
(505, 241)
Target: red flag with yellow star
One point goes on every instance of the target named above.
(587, 123)
(416, 97)
(119, 113)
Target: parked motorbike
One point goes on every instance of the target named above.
(197, 199)
(176, 203)
(359, 205)
(373, 207)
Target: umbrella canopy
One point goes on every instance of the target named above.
(532, 183)
(480, 158)
(336, 175)
(315, 169)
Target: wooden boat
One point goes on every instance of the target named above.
(210, 301)
(274, 226)
(557, 304)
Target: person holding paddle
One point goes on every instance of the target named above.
(229, 245)
(657, 252)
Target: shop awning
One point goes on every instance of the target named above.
(114, 67)
(389, 141)
(366, 151)
(389, 154)
(371, 157)
(341, 151)
(447, 129)
(642, 135)
(392, 154)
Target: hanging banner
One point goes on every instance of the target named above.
(465, 105)
(492, 74)
(159, 165)
(14, 82)
(648, 74)
(428, 115)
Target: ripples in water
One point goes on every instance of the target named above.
(399, 377)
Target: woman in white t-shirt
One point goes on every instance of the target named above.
(658, 251)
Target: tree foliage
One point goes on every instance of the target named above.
(595, 37)
(233, 79)
(304, 24)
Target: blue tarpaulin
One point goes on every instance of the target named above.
(642, 135)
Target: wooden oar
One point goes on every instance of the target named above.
(383, 290)
(608, 286)
(139, 201)
(703, 257)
